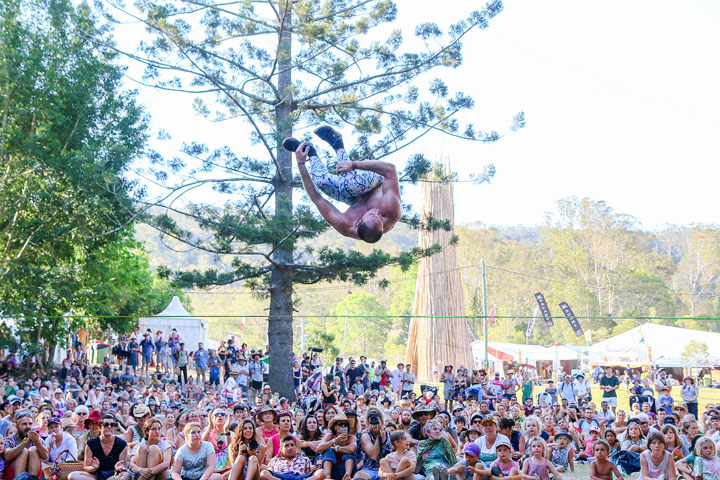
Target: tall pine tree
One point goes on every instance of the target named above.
(281, 66)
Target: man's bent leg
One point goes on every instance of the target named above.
(344, 187)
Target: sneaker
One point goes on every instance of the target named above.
(331, 136)
(291, 144)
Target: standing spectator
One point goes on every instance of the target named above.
(661, 383)
(567, 390)
(510, 385)
(214, 369)
(256, 369)
(133, 352)
(159, 344)
(396, 380)
(166, 358)
(408, 381)
(690, 394)
(181, 358)
(582, 389)
(200, 357)
(447, 379)
(610, 383)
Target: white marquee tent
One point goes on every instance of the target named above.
(655, 344)
(192, 330)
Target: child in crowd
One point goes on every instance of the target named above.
(468, 467)
(504, 466)
(536, 465)
(601, 468)
(401, 461)
(562, 452)
(707, 464)
(589, 441)
(666, 401)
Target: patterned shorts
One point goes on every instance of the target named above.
(343, 187)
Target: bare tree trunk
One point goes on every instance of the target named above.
(280, 333)
(437, 341)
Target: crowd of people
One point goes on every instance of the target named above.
(142, 415)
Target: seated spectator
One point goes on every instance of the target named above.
(196, 459)
(105, 456)
(401, 461)
(59, 442)
(339, 446)
(290, 465)
(656, 462)
(150, 459)
(245, 453)
(436, 451)
(24, 450)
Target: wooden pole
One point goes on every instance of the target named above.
(435, 342)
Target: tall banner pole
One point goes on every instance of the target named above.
(485, 314)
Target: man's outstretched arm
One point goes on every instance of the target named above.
(331, 214)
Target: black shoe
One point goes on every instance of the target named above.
(291, 145)
(331, 136)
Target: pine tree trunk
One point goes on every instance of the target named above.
(280, 333)
(434, 342)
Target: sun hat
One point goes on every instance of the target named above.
(140, 410)
(424, 409)
(93, 417)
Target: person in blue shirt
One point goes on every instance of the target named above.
(666, 401)
(147, 347)
(201, 363)
(214, 366)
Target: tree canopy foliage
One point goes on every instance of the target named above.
(275, 69)
(67, 136)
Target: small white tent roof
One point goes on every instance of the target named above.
(657, 344)
(192, 330)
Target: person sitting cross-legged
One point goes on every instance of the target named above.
(290, 464)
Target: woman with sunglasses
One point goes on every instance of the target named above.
(339, 446)
(196, 459)
(150, 459)
(105, 456)
(217, 434)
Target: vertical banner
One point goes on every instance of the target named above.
(491, 315)
(531, 323)
(544, 309)
(571, 318)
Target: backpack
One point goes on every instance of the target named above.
(627, 461)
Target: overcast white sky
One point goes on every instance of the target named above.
(621, 101)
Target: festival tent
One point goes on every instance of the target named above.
(192, 330)
(657, 345)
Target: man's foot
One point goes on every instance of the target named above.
(331, 136)
(436, 473)
(444, 474)
(291, 145)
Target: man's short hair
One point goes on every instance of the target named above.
(288, 438)
(367, 234)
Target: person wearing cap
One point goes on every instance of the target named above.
(488, 442)
(469, 466)
(231, 390)
(135, 434)
(582, 388)
(504, 465)
(375, 443)
(24, 450)
(58, 441)
(562, 452)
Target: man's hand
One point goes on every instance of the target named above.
(301, 154)
(344, 167)
(33, 437)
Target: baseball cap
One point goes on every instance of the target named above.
(594, 429)
(502, 442)
(472, 449)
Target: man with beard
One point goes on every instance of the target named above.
(406, 419)
(24, 451)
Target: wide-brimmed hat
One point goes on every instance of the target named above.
(140, 410)
(265, 410)
(424, 409)
(563, 433)
(67, 423)
(340, 417)
(93, 417)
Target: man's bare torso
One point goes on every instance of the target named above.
(387, 204)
